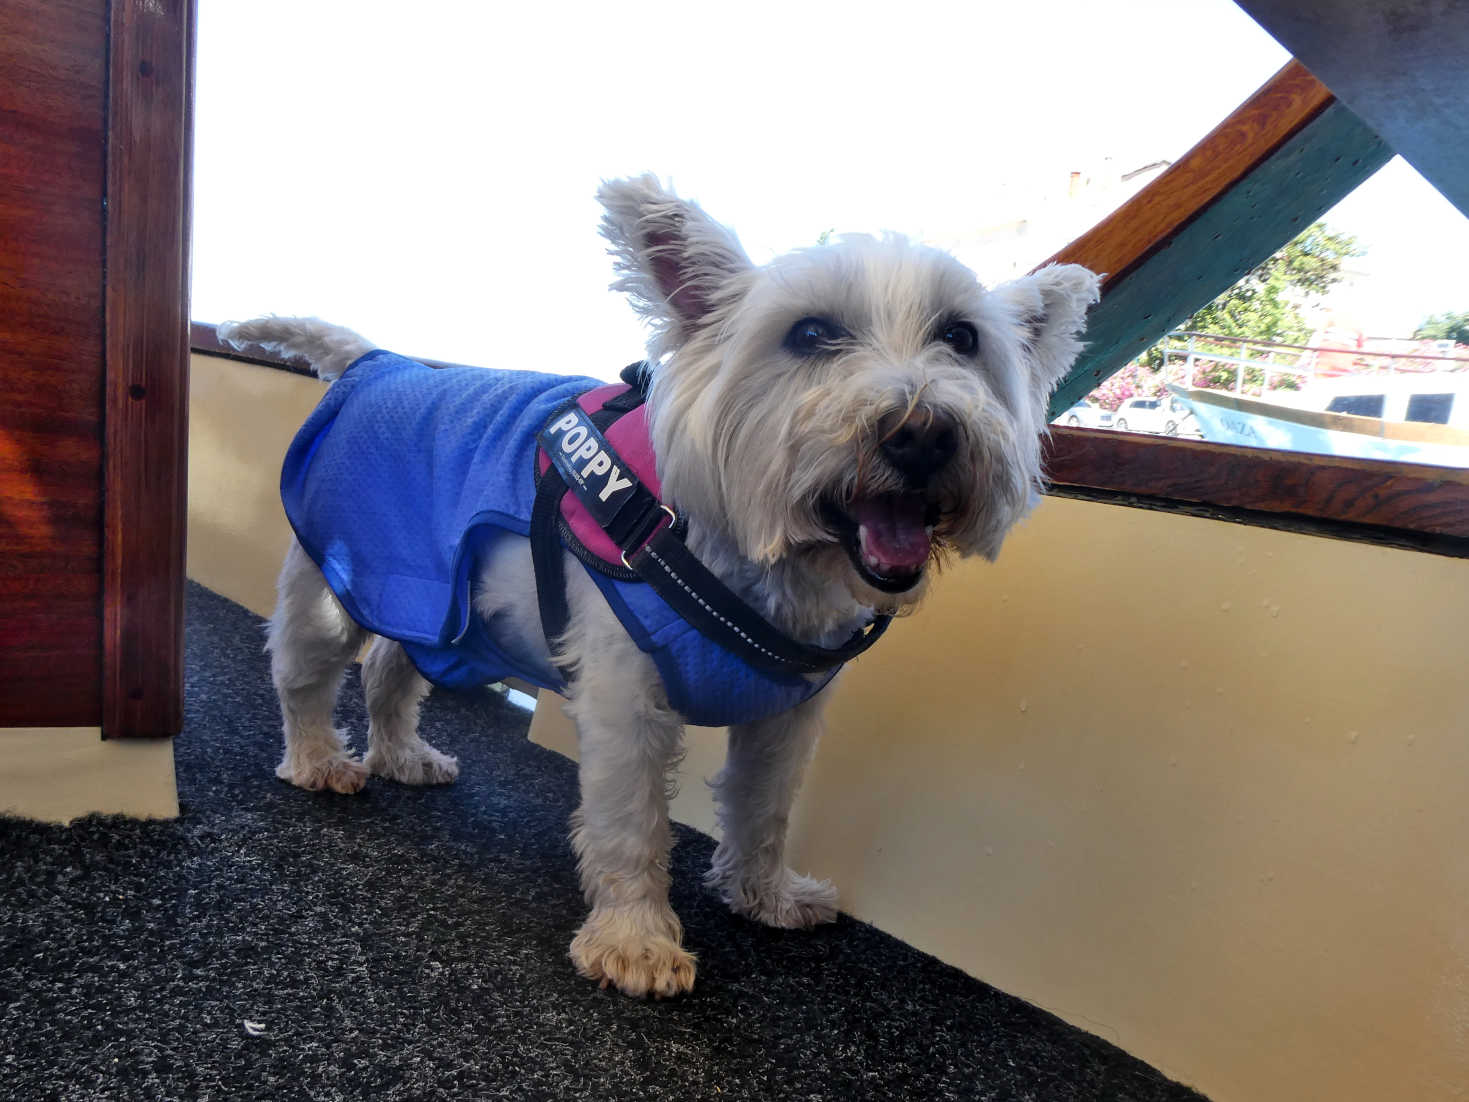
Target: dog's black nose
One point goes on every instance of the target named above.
(921, 446)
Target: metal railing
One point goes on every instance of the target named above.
(1302, 362)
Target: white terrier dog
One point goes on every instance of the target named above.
(824, 427)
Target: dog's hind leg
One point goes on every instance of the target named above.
(394, 690)
(311, 642)
(754, 792)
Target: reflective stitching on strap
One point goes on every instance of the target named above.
(712, 611)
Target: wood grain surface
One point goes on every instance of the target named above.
(94, 101)
(147, 388)
(1372, 493)
(53, 90)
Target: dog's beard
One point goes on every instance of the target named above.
(892, 537)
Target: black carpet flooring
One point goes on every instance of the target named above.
(411, 943)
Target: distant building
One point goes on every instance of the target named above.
(1046, 216)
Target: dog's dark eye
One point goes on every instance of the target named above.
(961, 337)
(813, 337)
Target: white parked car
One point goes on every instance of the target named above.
(1160, 415)
(1085, 415)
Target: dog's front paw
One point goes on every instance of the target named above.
(340, 774)
(791, 901)
(613, 947)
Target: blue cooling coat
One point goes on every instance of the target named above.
(402, 477)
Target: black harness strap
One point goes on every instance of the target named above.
(550, 568)
(545, 540)
(666, 563)
(633, 518)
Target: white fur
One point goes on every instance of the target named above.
(755, 443)
(329, 349)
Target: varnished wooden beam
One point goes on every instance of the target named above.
(1403, 504)
(1205, 174)
(53, 68)
(147, 347)
(1276, 164)
(1285, 156)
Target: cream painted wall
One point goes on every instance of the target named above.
(1200, 789)
(56, 774)
(242, 417)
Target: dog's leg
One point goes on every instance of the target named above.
(629, 740)
(755, 791)
(632, 939)
(394, 690)
(311, 642)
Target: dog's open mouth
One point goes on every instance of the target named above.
(888, 538)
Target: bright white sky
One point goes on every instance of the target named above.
(425, 172)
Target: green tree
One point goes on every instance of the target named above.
(1440, 327)
(1266, 304)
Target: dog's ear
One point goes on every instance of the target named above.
(673, 260)
(1048, 309)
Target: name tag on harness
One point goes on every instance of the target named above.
(588, 464)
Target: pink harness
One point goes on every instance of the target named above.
(629, 436)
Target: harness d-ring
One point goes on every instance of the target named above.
(672, 516)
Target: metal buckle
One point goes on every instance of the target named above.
(672, 516)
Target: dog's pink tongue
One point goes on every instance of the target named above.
(892, 533)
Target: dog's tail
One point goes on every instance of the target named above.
(328, 349)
